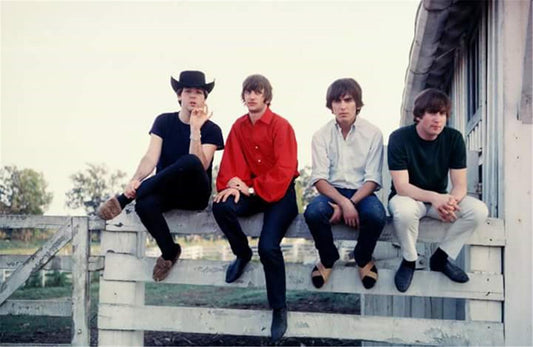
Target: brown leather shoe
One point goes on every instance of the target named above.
(109, 209)
(162, 267)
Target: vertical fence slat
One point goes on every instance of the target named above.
(117, 292)
(80, 282)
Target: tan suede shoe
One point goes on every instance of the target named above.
(109, 209)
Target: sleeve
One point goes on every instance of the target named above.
(458, 152)
(233, 163)
(374, 162)
(320, 159)
(396, 155)
(273, 184)
(158, 128)
(211, 134)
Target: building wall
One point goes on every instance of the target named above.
(517, 172)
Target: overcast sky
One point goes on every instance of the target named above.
(83, 81)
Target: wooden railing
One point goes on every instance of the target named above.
(123, 316)
(68, 229)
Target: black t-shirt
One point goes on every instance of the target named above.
(176, 138)
(427, 162)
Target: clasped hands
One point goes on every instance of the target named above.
(446, 205)
(235, 187)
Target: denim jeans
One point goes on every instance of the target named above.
(277, 218)
(182, 185)
(372, 219)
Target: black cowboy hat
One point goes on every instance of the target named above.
(191, 79)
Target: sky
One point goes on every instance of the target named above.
(82, 82)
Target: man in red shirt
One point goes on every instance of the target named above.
(257, 174)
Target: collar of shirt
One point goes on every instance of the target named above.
(265, 118)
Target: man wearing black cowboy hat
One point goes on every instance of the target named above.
(181, 149)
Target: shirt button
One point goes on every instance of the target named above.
(256, 147)
(259, 161)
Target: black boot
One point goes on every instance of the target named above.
(236, 269)
(279, 324)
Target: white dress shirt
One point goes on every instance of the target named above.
(348, 163)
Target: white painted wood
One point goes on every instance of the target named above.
(52, 308)
(115, 292)
(119, 242)
(35, 262)
(122, 267)
(203, 222)
(339, 326)
(58, 262)
(32, 221)
(517, 176)
(80, 282)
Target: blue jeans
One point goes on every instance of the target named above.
(277, 218)
(372, 219)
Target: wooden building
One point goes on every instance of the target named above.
(479, 52)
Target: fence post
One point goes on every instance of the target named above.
(81, 285)
(121, 292)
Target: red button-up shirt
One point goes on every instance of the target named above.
(263, 155)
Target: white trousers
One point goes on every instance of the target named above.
(406, 213)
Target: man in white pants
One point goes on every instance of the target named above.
(420, 157)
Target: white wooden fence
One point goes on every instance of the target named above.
(69, 229)
(123, 316)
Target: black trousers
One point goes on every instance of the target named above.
(278, 216)
(182, 185)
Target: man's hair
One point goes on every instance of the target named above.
(342, 87)
(431, 100)
(180, 90)
(258, 84)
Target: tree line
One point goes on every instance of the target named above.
(24, 191)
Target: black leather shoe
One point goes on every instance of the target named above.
(236, 269)
(452, 271)
(279, 324)
(403, 277)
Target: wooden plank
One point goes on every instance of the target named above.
(116, 292)
(80, 282)
(300, 324)
(203, 222)
(52, 308)
(58, 262)
(36, 261)
(121, 267)
(32, 221)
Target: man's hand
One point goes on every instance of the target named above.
(226, 193)
(131, 188)
(351, 216)
(336, 217)
(238, 184)
(446, 205)
(199, 116)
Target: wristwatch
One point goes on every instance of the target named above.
(251, 191)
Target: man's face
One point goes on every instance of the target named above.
(192, 98)
(254, 101)
(344, 109)
(430, 125)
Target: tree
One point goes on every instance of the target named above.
(93, 186)
(23, 191)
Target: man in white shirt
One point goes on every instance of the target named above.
(347, 163)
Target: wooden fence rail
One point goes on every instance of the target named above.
(123, 316)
